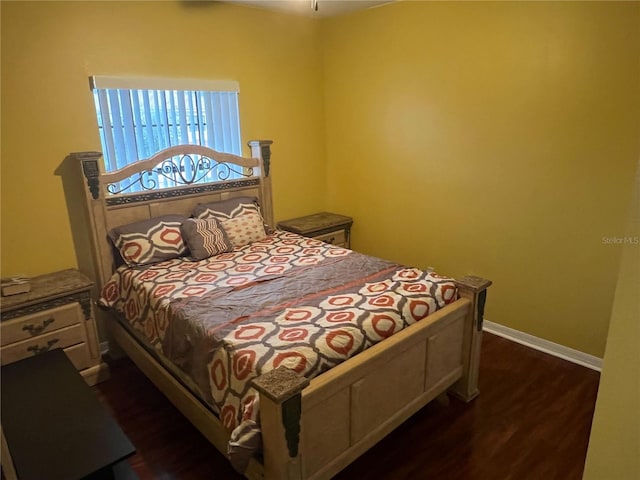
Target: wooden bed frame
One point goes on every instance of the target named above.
(310, 429)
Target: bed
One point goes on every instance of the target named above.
(291, 356)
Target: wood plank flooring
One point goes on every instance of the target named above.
(531, 421)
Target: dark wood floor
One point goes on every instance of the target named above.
(531, 421)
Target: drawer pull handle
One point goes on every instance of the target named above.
(37, 349)
(331, 240)
(37, 329)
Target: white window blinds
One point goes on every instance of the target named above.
(138, 117)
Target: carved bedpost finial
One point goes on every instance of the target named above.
(282, 386)
(266, 158)
(263, 149)
(91, 170)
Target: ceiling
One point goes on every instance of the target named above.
(326, 8)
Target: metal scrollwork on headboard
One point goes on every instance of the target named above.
(179, 171)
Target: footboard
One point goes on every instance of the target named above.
(352, 409)
(312, 430)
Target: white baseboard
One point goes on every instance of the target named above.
(555, 349)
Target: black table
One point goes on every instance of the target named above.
(55, 426)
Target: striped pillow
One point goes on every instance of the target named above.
(205, 238)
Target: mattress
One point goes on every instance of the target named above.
(285, 300)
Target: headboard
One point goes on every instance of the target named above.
(166, 183)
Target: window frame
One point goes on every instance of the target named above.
(206, 112)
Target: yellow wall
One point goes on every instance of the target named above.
(489, 138)
(49, 49)
(614, 445)
(497, 139)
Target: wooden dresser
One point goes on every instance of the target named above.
(327, 227)
(56, 313)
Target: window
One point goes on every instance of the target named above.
(138, 117)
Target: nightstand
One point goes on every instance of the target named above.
(56, 313)
(327, 227)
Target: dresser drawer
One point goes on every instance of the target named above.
(79, 355)
(30, 326)
(61, 338)
(56, 314)
(337, 238)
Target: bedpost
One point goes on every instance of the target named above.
(474, 289)
(280, 411)
(261, 149)
(89, 164)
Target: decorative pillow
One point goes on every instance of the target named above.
(227, 209)
(205, 237)
(150, 241)
(244, 229)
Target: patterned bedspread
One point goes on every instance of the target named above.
(287, 300)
